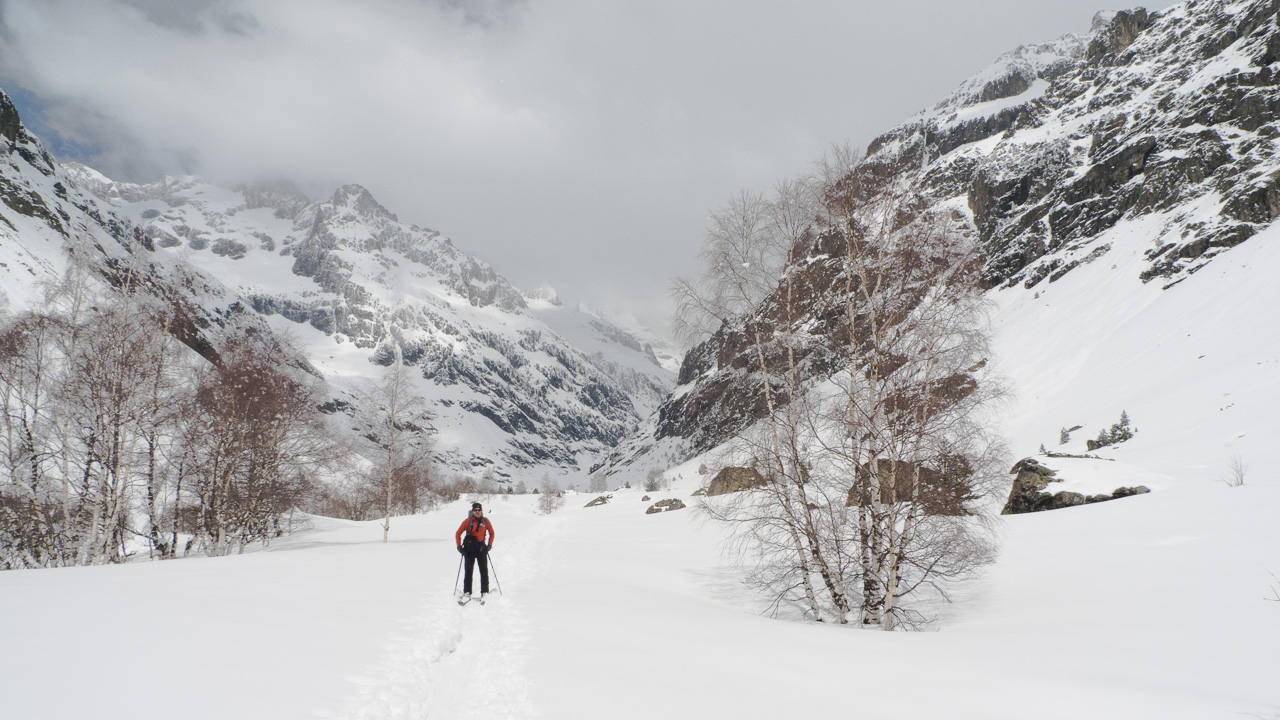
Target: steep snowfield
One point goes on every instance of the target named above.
(1196, 366)
(1164, 605)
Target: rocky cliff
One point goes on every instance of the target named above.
(1155, 128)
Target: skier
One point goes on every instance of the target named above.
(473, 546)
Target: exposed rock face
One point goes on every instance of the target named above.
(1145, 117)
(1031, 491)
(1028, 493)
(47, 216)
(1163, 124)
(1115, 32)
(733, 479)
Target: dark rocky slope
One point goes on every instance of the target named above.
(1164, 124)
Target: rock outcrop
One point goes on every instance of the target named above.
(1031, 491)
(733, 479)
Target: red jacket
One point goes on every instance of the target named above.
(476, 528)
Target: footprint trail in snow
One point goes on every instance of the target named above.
(455, 661)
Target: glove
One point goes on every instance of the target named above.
(461, 551)
(487, 548)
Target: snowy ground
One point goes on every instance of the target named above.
(1151, 606)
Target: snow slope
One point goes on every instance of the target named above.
(1196, 366)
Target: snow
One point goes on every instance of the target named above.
(418, 282)
(994, 107)
(1151, 606)
(1028, 61)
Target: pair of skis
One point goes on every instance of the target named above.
(467, 598)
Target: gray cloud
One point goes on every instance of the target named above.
(579, 143)
(485, 13)
(194, 17)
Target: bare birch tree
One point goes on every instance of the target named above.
(85, 416)
(34, 518)
(869, 350)
(398, 431)
(255, 442)
(745, 256)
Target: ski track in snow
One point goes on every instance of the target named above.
(453, 661)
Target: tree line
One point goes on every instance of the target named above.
(858, 320)
(116, 439)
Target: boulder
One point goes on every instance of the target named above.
(1031, 493)
(1028, 492)
(733, 479)
(599, 501)
(1127, 491)
(665, 506)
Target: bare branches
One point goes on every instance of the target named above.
(740, 258)
(397, 419)
(1236, 469)
(867, 337)
(255, 443)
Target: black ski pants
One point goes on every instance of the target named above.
(475, 551)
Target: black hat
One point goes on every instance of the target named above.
(476, 506)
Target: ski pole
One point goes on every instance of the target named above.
(496, 582)
(455, 580)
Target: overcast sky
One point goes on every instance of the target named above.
(578, 143)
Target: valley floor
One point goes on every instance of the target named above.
(1152, 606)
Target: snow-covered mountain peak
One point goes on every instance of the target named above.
(1014, 78)
(1167, 115)
(357, 200)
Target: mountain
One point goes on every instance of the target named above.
(46, 218)
(1100, 173)
(619, 352)
(350, 284)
